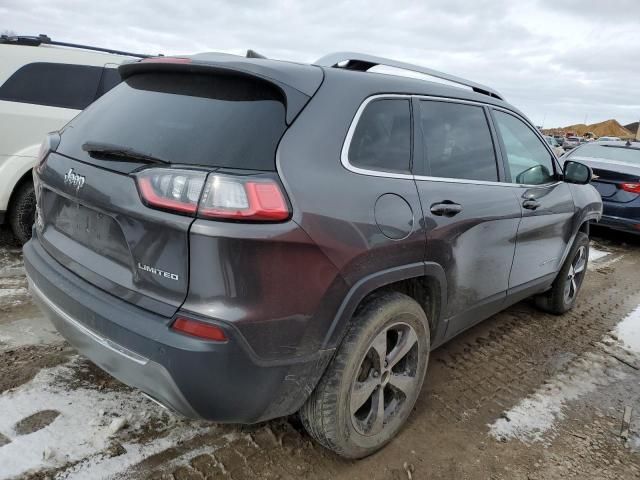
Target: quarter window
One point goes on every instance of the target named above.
(382, 138)
(457, 141)
(53, 84)
(528, 159)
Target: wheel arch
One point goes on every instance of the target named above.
(425, 282)
(13, 174)
(26, 177)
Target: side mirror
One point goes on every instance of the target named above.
(536, 175)
(576, 172)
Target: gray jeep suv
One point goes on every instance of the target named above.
(243, 238)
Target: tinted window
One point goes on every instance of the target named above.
(194, 119)
(528, 159)
(53, 84)
(382, 139)
(457, 141)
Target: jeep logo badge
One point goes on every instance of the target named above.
(74, 180)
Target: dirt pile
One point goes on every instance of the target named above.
(608, 128)
(632, 127)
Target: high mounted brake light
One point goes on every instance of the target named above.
(223, 197)
(165, 60)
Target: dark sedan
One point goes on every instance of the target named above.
(616, 169)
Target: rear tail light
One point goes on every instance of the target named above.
(248, 198)
(199, 329)
(631, 187)
(243, 199)
(171, 189)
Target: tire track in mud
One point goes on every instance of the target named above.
(509, 356)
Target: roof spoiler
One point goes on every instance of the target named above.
(363, 62)
(297, 83)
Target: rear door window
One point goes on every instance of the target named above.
(457, 141)
(183, 118)
(528, 160)
(53, 85)
(382, 138)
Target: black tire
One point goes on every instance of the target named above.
(400, 323)
(556, 300)
(22, 212)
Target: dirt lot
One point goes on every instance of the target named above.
(523, 395)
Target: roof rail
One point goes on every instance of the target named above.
(44, 39)
(363, 62)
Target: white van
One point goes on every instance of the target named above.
(43, 85)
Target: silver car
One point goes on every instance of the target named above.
(555, 146)
(570, 142)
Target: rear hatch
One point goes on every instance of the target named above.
(183, 121)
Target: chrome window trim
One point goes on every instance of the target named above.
(344, 154)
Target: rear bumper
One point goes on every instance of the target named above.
(621, 216)
(619, 223)
(223, 382)
(124, 364)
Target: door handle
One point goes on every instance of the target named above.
(530, 204)
(446, 209)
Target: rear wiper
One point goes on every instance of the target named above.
(122, 153)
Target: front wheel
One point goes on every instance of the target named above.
(564, 291)
(371, 385)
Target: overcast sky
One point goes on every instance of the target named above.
(560, 61)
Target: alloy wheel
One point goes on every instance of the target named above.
(575, 275)
(387, 376)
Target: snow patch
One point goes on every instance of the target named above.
(13, 292)
(80, 433)
(28, 331)
(628, 331)
(595, 254)
(536, 415)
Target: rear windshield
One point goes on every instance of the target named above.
(195, 119)
(605, 152)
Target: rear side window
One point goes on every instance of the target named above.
(528, 159)
(53, 84)
(382, 138)
(184, 118)
(457, 141)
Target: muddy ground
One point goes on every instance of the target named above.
(523, 395)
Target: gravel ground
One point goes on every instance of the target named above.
(523, 395)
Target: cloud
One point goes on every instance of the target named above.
(557, 61)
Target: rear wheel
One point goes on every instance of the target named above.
(22, 212)
(564, 291)
(372, 384)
